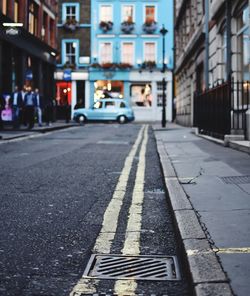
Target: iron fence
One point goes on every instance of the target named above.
(222, 109)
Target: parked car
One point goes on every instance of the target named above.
(105, 109)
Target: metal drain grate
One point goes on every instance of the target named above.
(154, 268)
(236, 179)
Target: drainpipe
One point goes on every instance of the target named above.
(229, 112)
(206, 44)
(229, 45)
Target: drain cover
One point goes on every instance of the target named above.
(154, 268)
(236, 179)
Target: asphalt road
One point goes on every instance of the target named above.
(69, 194)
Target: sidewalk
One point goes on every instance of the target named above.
(8, 133)
(209, 189)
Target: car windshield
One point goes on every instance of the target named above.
(97, 105)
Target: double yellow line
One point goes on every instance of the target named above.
(110, 220)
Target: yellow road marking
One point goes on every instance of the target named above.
(234, 250)
(110, 220)
(220, 250)
(132, 240)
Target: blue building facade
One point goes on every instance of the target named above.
(127, 54)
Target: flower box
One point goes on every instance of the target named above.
(71, 24)
(148, 65)
(127, 27)
(106, 26)
(149, 27)
(124, 66)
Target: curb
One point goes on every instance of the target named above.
(238, 145)
(207, 275)
(34, 132)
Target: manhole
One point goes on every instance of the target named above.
(154, 268)
(236, 179)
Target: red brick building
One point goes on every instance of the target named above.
(28, 52)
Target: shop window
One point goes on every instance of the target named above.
(108, 89)
(141, 95)
(127, 13)
(127, 53)
(70, 12)
(149, 51)
(160, 93)
(106, 13)
(105, 52)
(63, 93)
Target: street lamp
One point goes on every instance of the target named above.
(163, 32)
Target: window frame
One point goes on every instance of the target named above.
(240, 30)
(133, 56)
(111, 14)
(33, 18)
(64, 9)
(144, 49)
(100, 55)
(144, 11)
(122, 14)
(64, 42)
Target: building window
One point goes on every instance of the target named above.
(106, 13)
(33, 18)
(149, 51)
(127, 53)
(150, 13)
(224, 54)
(105, 52)
(160, 93)
(52, 33)
(4, 6)
(243, 44)
(70, 52)
(70, 11)
(16, 11)
(127, 13)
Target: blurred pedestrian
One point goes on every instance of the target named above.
(48, 111)
(30, 105)
(16, 104)
(22, 112)
(67, 111)
(39, 106)
(79, 105)
(2, 107)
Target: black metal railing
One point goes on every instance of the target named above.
(212, 111)
(222, 109)
(240, 103)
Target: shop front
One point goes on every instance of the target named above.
(71, 90)
(142, 91)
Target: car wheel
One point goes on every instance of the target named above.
(122, 119)
(81, 119)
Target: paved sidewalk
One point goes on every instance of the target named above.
(8, 133)
(209, 189)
